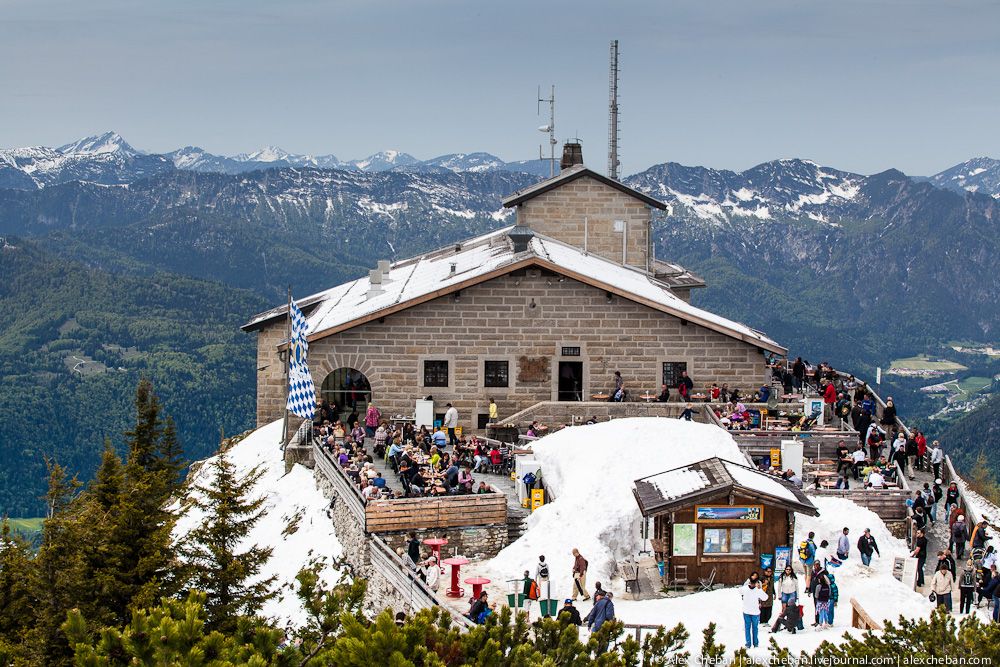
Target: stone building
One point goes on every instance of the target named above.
(545, 310)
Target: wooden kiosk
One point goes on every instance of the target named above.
(716, 515)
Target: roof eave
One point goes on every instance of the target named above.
(568, 177)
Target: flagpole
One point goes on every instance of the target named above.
(288, 367)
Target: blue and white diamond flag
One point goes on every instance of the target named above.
(301, 390)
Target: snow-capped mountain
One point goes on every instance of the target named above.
(106, 159)
(777, 189)
(980, 174)
(384, 160)
(466, 162)
(109, 142)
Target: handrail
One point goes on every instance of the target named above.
(350, 495)
(390, 566)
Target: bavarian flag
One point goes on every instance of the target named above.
(301, 390)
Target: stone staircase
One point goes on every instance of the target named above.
(515, 524)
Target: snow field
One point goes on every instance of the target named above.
(291, 500)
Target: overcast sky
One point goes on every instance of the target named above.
(862, 85)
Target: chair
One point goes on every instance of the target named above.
(680, 576)
(706, 584)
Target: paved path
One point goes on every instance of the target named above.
(937, 533)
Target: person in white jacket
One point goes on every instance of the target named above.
(451, 423)
(752, 597)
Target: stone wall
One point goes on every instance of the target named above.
(270, 373)
(496, 320)
(473, 542)
(588, 208)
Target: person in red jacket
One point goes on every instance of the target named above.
(921, 440)
(829, 398)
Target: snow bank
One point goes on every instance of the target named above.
(589, 470)
(294, 505)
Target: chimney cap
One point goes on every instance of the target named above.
(521, 235)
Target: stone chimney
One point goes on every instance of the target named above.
(572, 154)
(374, 283)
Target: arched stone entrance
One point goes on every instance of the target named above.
(348, 389)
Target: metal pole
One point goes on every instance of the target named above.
(288, 366)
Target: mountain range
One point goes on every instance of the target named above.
(849, 268)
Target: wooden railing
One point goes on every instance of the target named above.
(861, 619)
(442, 512)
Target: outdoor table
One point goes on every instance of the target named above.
(826, 473)
(435, 543)
(600, 397)
(648, 397)
(456, 563)
(477, 584)
(791, 397)
(698, 397)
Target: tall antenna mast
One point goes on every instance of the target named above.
(550, 128)
(613, 161)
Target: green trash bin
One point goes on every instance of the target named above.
(549, 607)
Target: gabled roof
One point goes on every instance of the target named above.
(714, 478)
(571, 174)
(456, 267)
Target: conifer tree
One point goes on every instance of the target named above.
(144, 438)
(15, 593)
(169, 456)
(215, 564)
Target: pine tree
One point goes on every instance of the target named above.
(169, 460)
(56, 582)
(144, 438)
(981, 480)
(230, 578)
(15, 593)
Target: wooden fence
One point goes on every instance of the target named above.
(888, 504)
(861, 619)
(429, 513)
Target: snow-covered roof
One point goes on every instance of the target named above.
(461, 265)
(711, 478)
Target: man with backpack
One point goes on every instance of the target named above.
(807, 555)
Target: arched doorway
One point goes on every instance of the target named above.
(349, 390)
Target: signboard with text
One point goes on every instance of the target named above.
(729, 514)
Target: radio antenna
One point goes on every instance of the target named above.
(550, 128)
(613, 162)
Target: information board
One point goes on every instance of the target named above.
(685, 542)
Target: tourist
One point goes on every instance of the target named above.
(373, 418)
(820, 589)
(920, 553)
(664, 394)
(843, 545)
(684, 387)
(844, 459)
(911, 456)
(888, 419)
(603, 610)
(451, 423)
(483, 488)
(942, 585)
(858, 460)
(989, 582)
(714, 393)
(823, 553)
(529, 591)
(752, 598)
(921, 440)
(788, 588)
(979, 536)
(569, 613)
(494, 413)
(959, 537)
(829, 400)
(767, 587)
(479, 608)
(579, 575)
(465, 480)
(807, 554)
(875, 479)
(618, 395)
(867, 546)
(687, 413)
(937, 458)
(724, 393)
(790, 619)
(798, 373)
(542, 576)
(966, 588)
(950, 499)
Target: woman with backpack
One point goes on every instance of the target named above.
(542, 576)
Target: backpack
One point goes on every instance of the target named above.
(968, 579)
(529, 478)
(533, 593)
(806, 550)
(543, 571)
